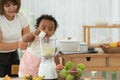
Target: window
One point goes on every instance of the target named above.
(72, 14)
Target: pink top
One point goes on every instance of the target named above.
(29, 64)
(30, 61)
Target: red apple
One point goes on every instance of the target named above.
(59, 67)
(118, 44)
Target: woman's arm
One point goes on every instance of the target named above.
(26, 30)
(4, 46)
(23, 45)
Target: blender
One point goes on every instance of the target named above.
(47, 66)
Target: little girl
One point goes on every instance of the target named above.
(29, 63)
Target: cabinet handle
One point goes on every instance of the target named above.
(88, 58)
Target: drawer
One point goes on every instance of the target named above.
(90, 61)
(114, 62)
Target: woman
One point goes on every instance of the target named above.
(13, 25)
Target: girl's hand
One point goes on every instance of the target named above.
(28, 37)
(37, 38)
(23, 45)
(36, 32)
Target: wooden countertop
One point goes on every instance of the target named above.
(92, 55)
(83, 78)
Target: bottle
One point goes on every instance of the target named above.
(83, 47)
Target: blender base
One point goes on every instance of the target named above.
(48, 69)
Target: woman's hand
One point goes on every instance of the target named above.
(23, 45)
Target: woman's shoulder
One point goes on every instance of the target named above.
(2, 20)
(21, 14)
(23, 18)
(1, 17)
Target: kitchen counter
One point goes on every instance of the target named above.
(17, 78)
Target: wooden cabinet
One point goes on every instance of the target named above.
(100, 61)
(95, 62)
(114, 62)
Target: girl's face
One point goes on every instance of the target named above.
(10, 9)
(47, 26)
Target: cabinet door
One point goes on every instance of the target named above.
(114, 62)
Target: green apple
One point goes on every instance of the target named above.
(68, 65)
(63, 73)
(70, 77)
(80, 66)
(79, 74)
